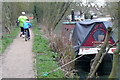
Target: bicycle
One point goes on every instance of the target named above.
(26, 35)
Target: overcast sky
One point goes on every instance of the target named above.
(99, 2)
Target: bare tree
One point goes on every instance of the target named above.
(115, 66)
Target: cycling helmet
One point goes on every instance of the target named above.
(23, 12)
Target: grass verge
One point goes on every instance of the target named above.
(7, 39)
(45, 58)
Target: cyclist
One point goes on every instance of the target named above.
(26, 27)
(21, 21)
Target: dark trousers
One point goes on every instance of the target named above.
(27, 30)
(22, 30)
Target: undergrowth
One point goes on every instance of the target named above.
(45, 57)
(8, 38)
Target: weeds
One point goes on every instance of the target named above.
(65, 53)
(45, 58)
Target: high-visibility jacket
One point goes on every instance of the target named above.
(21, 20)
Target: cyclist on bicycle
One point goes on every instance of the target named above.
(21, 21)
(26, 27)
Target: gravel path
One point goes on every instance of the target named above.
(18, 61)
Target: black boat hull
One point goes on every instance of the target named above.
(85, 62)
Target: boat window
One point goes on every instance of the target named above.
(99, 35)
(67, 29)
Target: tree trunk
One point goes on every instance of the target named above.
(115, 66)
(97, 58)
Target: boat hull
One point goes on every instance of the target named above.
(105, 67)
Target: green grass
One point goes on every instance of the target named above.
(45, 58)
(7, 39)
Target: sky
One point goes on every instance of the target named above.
(99, 2)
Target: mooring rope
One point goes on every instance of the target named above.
(47, 73)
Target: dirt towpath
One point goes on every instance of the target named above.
(18, 59)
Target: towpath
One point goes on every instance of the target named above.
(18, 59)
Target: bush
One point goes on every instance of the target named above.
(64, 50)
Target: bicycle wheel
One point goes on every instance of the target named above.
(26, 36)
